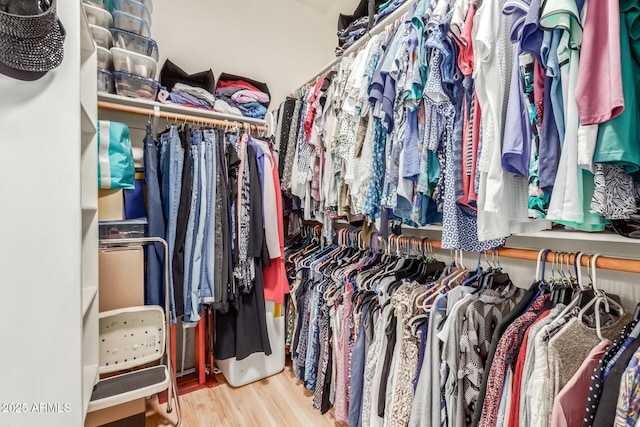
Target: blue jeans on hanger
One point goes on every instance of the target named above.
(171, 163)
(207, 294)
(194, 238)
(154, 270)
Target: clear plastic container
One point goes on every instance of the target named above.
(134, 8)
(105, 81)
(134, 43)
(97, 3)
(101, 36)
(132, 23)
(125, 229)
(98, 16)
(104, 58)
(134, 63)
(135, 86)
(148, 4)
(111, 5)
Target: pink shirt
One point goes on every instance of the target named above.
(570, 404)
(599, 88)
(275, 275)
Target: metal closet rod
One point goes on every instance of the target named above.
(603, 262)
(177, 116)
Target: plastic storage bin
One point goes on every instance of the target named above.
(97, 3)
(104, 58)
(98, 16)
(132, 23)
(135, 86)
(148, 4)
(134, 63)
(134, 8)
(105, 81)
(135, 43)
(258, 366)
(101, 36)
(127, 229)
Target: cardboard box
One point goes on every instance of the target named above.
(110, 205)
(121, 277)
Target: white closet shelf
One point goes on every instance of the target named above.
(174, 109)
(603, 236)
(559, 234)
(89, 294)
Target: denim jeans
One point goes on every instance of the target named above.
(154, 270)
(172, 159)
(207, 294)
(194, 239)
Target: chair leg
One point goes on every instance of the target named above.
(177, 398)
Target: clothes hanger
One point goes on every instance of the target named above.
(581, 287)
(474, 276)
(600, 299)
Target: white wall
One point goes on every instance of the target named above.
(280, 42)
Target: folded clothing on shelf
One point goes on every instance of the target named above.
(387, 9)
(243, 96)
(186, 95)
(223, 106)
(254, 110)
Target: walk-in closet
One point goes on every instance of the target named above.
(354, 213)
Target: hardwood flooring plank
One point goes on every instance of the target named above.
(278, 401)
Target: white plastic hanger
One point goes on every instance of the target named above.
(599, 299)
(539, 266)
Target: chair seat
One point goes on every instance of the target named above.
(129, 386)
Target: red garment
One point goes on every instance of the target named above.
(465, 57)
(498, 368)
(472, 195)
(236, 83)
(311, 114)
(464, 199)
(276, 284)
(514, 413)
(539, 76)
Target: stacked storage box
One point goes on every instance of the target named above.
(100, 20)
(133, 54)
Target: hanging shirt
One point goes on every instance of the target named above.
(617, 142)
(569, 405)
(628, 406)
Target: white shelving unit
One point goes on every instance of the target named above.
(49, 251)
(176, 109)
(89, 206)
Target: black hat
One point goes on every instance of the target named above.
(628, 227)
(31, 38)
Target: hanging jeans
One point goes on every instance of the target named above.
(171, 164)
(207, 294)
(154, 271)
(195, 232)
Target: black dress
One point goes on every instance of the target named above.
(242, 331)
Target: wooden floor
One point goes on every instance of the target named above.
(278, 401)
